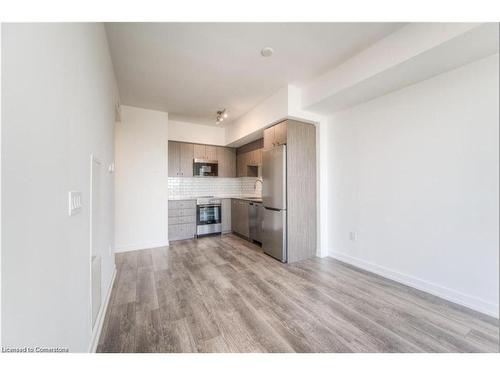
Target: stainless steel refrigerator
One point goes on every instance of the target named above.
(274, 228)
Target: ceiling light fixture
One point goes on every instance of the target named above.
(267, 52)
(221, 115)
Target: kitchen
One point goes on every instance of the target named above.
(242, 187)
(262, 191)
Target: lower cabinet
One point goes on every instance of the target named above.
(181, 231)
(226, 215)
(239, 217)
(256, 221)
(181, 219)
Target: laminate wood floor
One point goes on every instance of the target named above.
(223, 294)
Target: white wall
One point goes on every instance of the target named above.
(249, 127)
(415, 175)
(196, 133)
(399, 47)
(58, 98)
(141, 179)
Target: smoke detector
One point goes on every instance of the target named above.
(267, 52)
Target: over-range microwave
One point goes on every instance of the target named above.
(203, 167)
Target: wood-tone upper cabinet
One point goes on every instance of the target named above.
(221, 158)
(180, 159)
(173, 158)
(181, 155)
(254, 157)
(243, 162)
(240, 166)
(226, 157)
(210, 152)
(206, 152)
(275, 135)
(186, 160)
(231, 165)
(248, 159)
(269, 137)
(199, 151)
(258, 156)
(280, 133)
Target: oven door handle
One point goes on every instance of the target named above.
(208, 205)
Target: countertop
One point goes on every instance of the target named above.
(250, 198)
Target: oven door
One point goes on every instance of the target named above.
(208, 214)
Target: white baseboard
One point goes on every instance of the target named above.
(451, 295)
(96, 334)
(140, 246)
(322, 253)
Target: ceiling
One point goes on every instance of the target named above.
(191, 70)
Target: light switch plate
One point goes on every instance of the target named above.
(74, 202)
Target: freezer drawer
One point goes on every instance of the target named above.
(274, 234)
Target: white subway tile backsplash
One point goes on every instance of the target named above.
(179, 187)
(248, 184)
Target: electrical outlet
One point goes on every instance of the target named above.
(74, 202)
(353, 236)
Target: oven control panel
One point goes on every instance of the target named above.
(201, 201)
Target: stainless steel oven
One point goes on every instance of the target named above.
(202, 167)
(208, 216)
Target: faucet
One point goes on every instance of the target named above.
(255, 184)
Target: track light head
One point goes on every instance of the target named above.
(220, 116)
